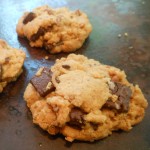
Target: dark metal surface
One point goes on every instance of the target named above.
(131, 53)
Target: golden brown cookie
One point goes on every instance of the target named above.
(11, 62)
(58, 30)
(84, 99)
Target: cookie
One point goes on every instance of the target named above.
(84, 99)
(11, 62)
(57, 30)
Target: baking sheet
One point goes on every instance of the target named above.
(131, 52)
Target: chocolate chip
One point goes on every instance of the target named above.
(94, 126)
(0, 72)
(76, 118)
(66, 66)
(122, 103)
(37, 35)
(29, 17)
(42, 83)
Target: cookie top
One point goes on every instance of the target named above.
(58, 30)
(83, 99)
(11, 62)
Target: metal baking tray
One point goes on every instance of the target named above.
(120, 38)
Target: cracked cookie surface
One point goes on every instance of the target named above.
(58, 30)
(84, 99)
(11, 62)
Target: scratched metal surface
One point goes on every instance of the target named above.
(132, 53)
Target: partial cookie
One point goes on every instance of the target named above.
(58, 30)
(11, 62)
(84, 99)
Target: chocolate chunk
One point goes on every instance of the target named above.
(41, 31)
(112, 105)
(0, 72)
(66, 66)
(42, 83)
(29, 17)
(122, 103)
(76, 118)
(37, 35)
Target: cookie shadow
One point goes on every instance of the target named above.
(33, 52)
(84, 47)
(46, 134)
(70, 144)
(39, 53)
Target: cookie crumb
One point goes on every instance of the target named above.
(48, 85)
(46, 57)
(126, 34)
(130, 47)
(114, 98)
(39, 72)
(69, 139)
(40, 144)
(119, 35)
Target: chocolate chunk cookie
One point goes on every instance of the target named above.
(85, 100)
(11, 62)
(58, 30)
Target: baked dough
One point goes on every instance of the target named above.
(84, 99)
(58, 30)
(11, 62)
